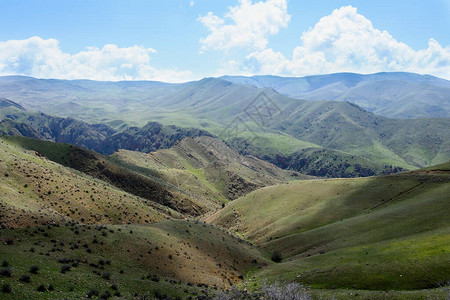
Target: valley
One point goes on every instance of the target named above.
(142, 190)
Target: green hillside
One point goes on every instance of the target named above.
(220, 106)
(141, 183)
(388, 232)
(36, 190)
(206, 167)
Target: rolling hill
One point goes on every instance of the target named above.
(281, 124)
(74, 225)
(174, 258)
(387, 232)
(281, 150)
(142, 183)
(17, 121)
(36, 191)
(207, 167)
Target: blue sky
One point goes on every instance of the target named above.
(178, 40)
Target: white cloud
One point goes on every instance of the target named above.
(44, 59)
(346, 41)
(191, 3)
(245, 25)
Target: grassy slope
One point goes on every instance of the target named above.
(208, 168)
(35, 190)
(189, 258)
(349, 233)
(142, 183)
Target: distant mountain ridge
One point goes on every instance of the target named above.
(394, 95)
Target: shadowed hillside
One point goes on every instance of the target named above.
(16, 121)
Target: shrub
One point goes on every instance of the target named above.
(276, 256)
(290, 291)
(275, 291)
(91, 293)
(64, 260)
(5, 264)
(34, 269)
(41, 288)
(65, 268)
(6, 288)
(105, 295)
(5, 272)
(106, 276)
(155, 278)
(25, 278)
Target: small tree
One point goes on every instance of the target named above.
(34, 269)
(276, 256)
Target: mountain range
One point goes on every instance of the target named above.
(392, 95)
(276, 124)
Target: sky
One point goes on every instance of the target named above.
(182, 40)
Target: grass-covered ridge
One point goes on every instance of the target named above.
(370, 233)
(206, 167)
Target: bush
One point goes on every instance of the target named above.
(275, 291)
(91, 293)
(25, 278)
(5, 272)
(155, 278)
(6, 288)
(34, 269)
(276, 256)
(65, 268)
(41, 288)
(106, 276)
(290, 291)
(5, 264)
(105, 295)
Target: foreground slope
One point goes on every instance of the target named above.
(173, 258)
(388, 232)
(65, 234)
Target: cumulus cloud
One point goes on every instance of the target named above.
(43, 58)
(346, 41)
(246, 25)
